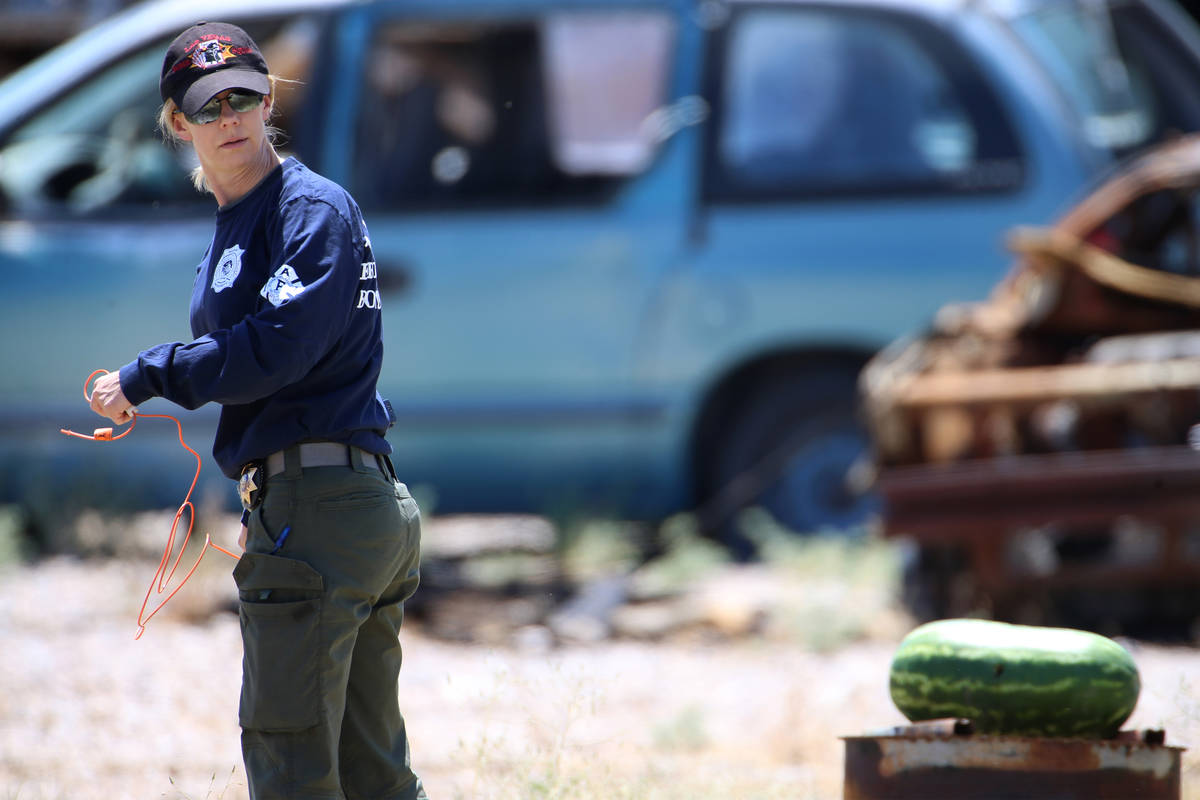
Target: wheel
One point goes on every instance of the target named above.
(791, 448)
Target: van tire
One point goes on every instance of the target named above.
(789, 448)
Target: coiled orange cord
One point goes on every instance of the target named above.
(162, 577)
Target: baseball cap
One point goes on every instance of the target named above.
(207, 59)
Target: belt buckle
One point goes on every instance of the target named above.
(249, 489)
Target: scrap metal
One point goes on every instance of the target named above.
(1060, 405)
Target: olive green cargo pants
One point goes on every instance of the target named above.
(320, 610)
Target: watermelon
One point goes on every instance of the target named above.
(1015, 680)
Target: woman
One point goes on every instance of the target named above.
(286, 314)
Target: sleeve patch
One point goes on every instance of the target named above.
(282, 286)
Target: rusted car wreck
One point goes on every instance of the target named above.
(1035, 446)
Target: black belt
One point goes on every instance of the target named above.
(324, 454)
(312, 454)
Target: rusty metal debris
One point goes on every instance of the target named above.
(1052, 420)
(943, 759)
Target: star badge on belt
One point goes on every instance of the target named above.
(247, 486)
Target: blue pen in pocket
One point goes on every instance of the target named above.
(282, 538)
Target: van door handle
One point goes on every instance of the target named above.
(395, 277)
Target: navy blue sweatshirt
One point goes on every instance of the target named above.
(285, 311)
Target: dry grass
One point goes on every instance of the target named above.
(87, 713)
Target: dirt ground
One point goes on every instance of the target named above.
(88, 713)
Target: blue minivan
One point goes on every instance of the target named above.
(633, 253)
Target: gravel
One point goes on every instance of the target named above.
(87, 712)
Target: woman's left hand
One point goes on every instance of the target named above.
(109, 401)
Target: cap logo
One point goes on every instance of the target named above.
(210, 53)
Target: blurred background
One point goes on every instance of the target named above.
(633, 257)
(705, 322)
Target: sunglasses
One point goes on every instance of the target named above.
(239, 101)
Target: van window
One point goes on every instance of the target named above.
(605, 76)
(95, 151)
(1164, 76)
(470, 114)
(1076, 43)
(819, 101)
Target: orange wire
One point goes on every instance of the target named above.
(162, 577)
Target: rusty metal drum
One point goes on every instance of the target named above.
(949, 762)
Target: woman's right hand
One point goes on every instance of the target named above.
(242, 539)
(108, 400)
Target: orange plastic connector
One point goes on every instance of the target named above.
(105, 434)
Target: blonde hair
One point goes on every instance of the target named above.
(167, 130)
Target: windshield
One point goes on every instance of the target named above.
(95, 150)
(1075, 42)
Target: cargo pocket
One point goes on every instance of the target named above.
(280, 612)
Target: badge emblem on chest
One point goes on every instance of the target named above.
(228, 268)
